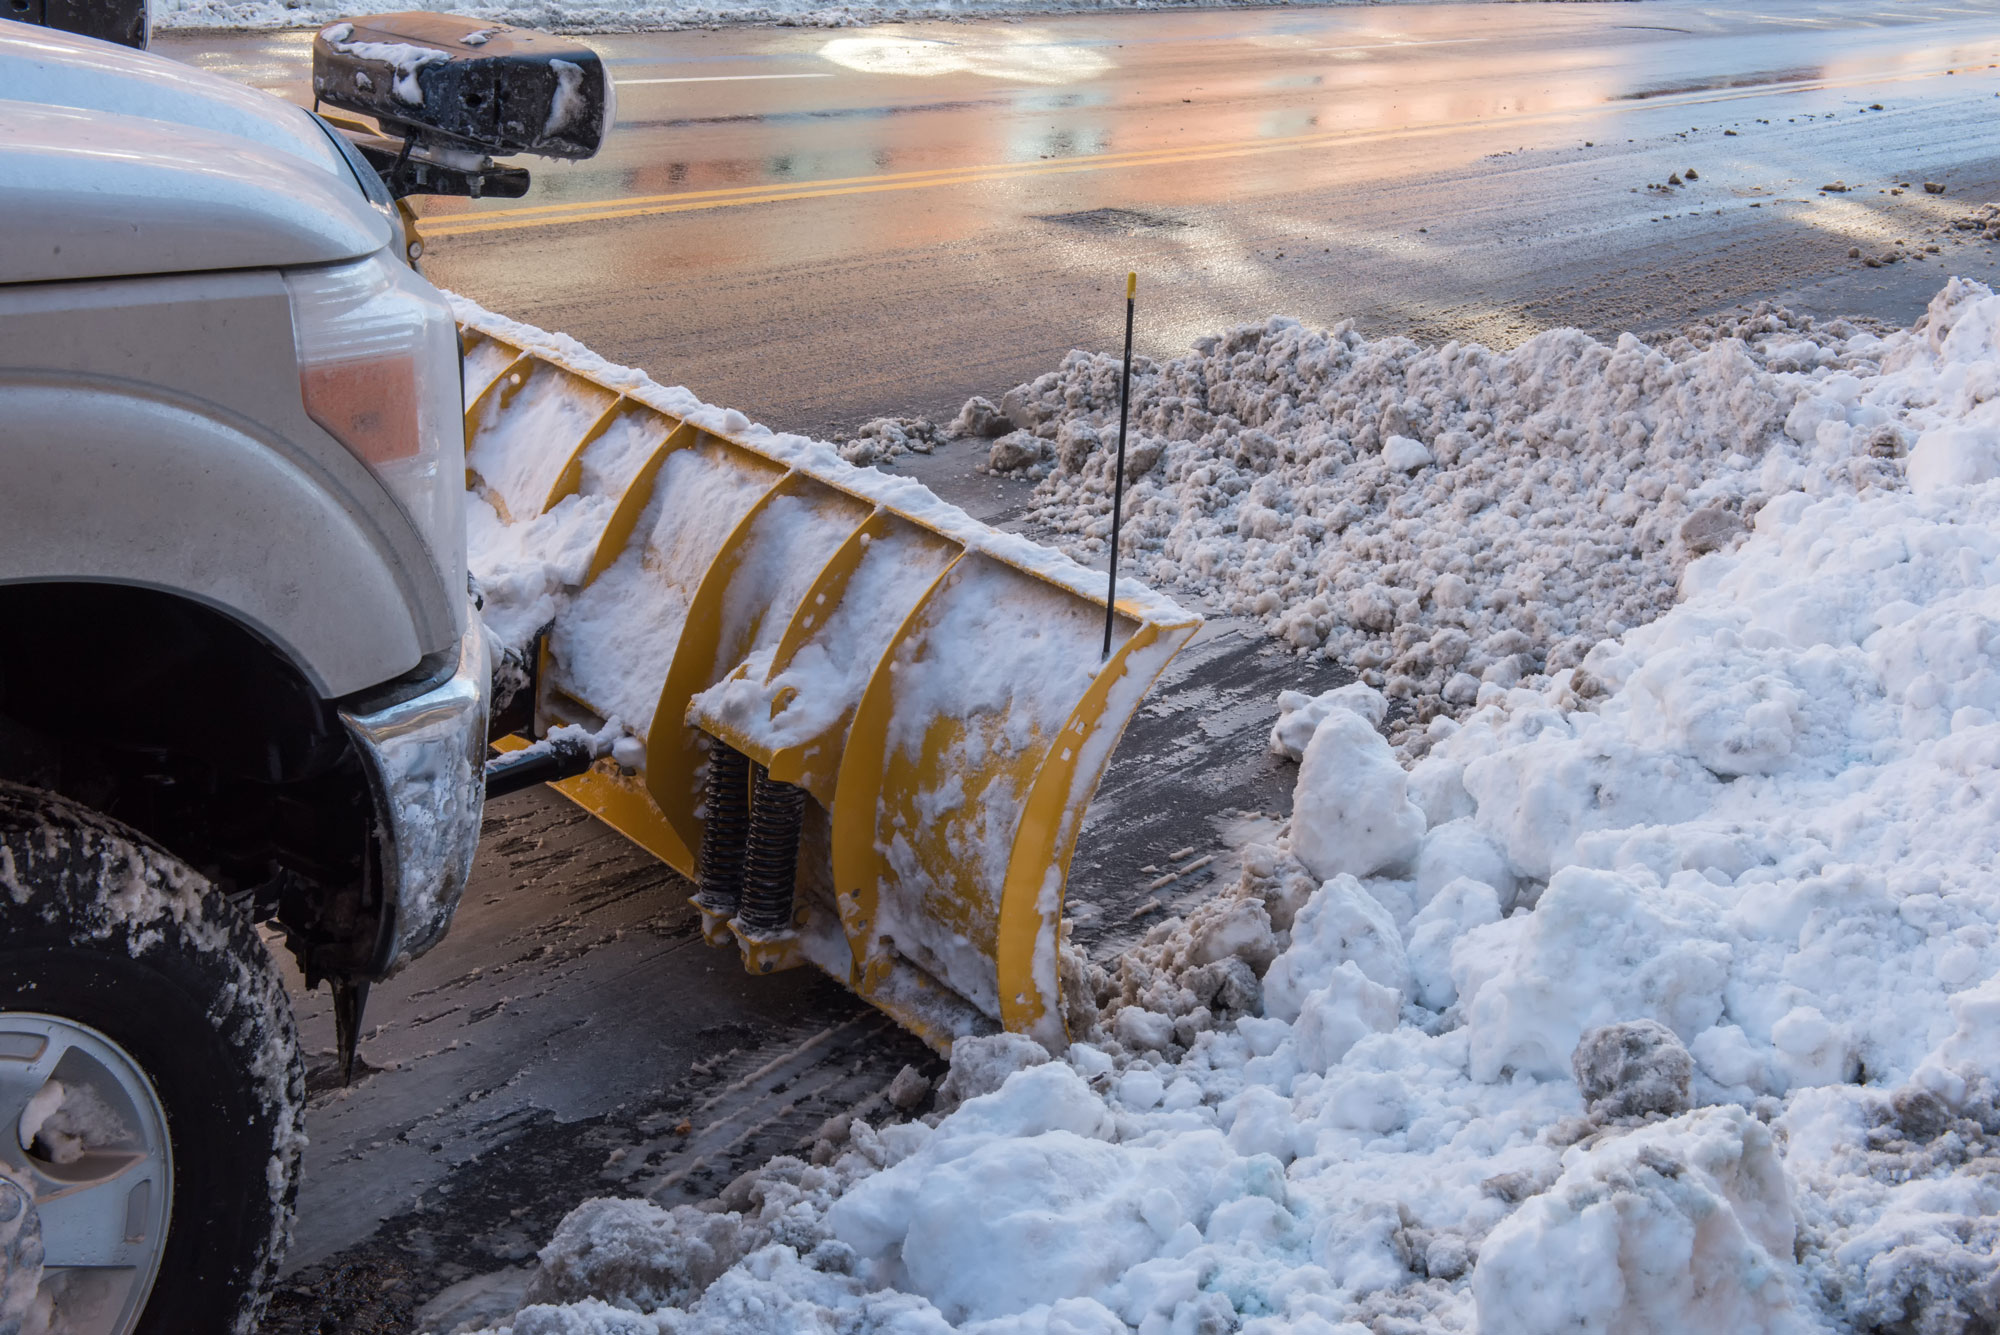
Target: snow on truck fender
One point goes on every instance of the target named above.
(870, 724)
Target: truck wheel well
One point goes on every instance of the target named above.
(172, 717)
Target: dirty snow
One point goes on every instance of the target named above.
(1443, 517)
(1672, 1006)
(881, 439)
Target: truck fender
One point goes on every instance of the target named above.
(106, 482)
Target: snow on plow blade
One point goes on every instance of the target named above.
(871, 725)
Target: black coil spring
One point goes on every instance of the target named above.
(771, 865)
(725, 834)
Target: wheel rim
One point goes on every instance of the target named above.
(98, 1163)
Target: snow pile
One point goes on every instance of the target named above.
(881, 439)
(1668, 1004)
(1442, 516)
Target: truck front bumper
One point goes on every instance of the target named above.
(426, 760)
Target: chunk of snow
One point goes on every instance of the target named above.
(1404, 454)
(1351, 811)
(1681, 1226)
(1299, 715)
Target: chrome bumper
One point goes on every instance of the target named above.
(426, 759)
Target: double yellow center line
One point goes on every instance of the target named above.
(551, 215)
(688, 201)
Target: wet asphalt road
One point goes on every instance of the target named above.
(818, 226)
(823, 226)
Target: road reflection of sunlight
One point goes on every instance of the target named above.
(1027, 55)
(1027, 125)
(1202, 279)
(279, 67)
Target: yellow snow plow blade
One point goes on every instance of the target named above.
(871, 725)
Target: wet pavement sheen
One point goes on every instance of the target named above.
(818, 226)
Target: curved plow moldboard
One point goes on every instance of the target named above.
(936, 687)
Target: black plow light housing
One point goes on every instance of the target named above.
(451, 93)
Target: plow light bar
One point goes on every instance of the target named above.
(452, 93)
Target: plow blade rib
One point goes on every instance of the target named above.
(931, 689)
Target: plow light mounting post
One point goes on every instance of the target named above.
(1118, 471)
(450, 94)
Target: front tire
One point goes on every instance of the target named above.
(129, 988)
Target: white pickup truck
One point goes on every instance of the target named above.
(243, 681)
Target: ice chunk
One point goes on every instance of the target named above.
(1954, 455)
(1811, 1049)
(1334, 1018)
(967, 1218)
(1299, 714)
(1351, 811)
(1600, 947)
(1455, 909)
(1404, 454)
(1015, 451)
(979, 418)
(1710, 529)
(981, 1063)
(1679, 1226)
(1342, 923)
(1458, 849)
(634, 1253)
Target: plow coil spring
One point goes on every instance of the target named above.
(726, 835)
(771, 866)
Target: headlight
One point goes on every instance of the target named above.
(378, 367)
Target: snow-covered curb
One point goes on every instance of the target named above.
(1344, 1096)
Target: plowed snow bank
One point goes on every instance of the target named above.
(1439, 517)
(1742, 887)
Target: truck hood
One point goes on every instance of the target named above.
(114, 163)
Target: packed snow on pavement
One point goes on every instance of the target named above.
(1652, 988)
